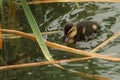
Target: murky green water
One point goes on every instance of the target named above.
(52, 17)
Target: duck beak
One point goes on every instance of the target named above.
(65, 39)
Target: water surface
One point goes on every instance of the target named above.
(53, 16)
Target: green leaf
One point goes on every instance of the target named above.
(36, 31)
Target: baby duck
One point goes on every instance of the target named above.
(82, 31)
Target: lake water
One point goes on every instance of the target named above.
(52, 17)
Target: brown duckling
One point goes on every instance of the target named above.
(82, 31)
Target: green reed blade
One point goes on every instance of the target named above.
(36, 31)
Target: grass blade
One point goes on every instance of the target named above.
(36, 31)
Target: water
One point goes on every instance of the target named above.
(52, 17)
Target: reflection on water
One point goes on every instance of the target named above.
(52, 17)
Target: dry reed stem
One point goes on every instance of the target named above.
(114, 36)
(39, 63)
(53, 62)
(64, 48)
(107, 41)
(93, 55)
(54, 1)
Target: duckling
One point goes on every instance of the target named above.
(82, 31)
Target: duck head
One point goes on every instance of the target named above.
(70, 32)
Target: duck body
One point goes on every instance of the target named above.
(82, 31)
